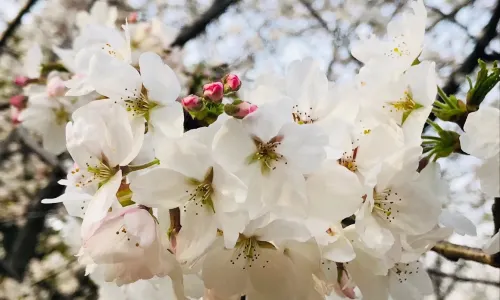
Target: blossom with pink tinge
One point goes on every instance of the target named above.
(232, 82)
(21, 80)
(214, 91)
(192, 103)
(56, 87)
(18, 101)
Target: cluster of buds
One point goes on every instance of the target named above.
(213, 93)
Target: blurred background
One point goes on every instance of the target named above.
(247, 37)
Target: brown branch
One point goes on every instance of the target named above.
(199, 26)
(440, 274)
(455, 252)
(12, 26)
(470, 63)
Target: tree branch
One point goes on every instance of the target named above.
(470, 63)
(12, 26)
(438, 273)
(199, 26)
(456, 252)
(23, 248)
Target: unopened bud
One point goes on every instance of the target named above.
(239, 109)
(345, 286)
(56, 87)
(192, 103)
(14, 115)
(133, 17)
(21, 80)
(214, 91)
(232, 82)
(18, 101)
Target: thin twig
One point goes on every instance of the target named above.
(438, 273)
(315, 14)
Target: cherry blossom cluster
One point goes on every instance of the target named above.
(289, 187)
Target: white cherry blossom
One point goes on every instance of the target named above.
(149, 95)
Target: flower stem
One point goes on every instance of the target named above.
(129, 169)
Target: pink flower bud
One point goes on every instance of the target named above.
(214, 91)
(192, 103)
(133, 17)
(345, 286)
(232, 82)
(21, 80)
(56, 87)
(18, 101)
(240, 110)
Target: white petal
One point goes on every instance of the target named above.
(411, 283)
(228, 189)
(232, 146)
(160, 80)
(373, 234)
(339, 251)
(138, 127)
(281, 230)
(489, 176)
(167, 121)
(198, 232)
(373, 287)
(334, 192)
(477, 141)
(266, 122)
(101, 202)
(460, 223)
(142, 225)
(303, 146)
(114, 78)
(220, 274)
(270, 270)
(160, 187)
(493, 246)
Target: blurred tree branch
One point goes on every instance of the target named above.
(438, 273)
(12, 26)
(198, 27)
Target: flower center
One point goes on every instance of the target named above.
(400, 48)
(384, 203)
(141, 105)
(405, 103)
(249, 250)
(302, 117)
(266, 153)
(100, 173)
(203, 191)
(349, 160)
(61, 116)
